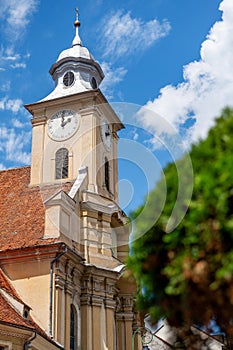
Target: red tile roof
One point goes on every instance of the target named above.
(7, 312)
(7, 286)
(22, 217)
(9, 315)
(22, 213)
(21, 210)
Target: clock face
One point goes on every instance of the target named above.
(106, 133)
(63, 125)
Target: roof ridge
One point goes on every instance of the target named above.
(19, 320)
(7, 286)
(12, 315)
(12, 169)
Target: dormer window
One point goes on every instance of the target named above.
(62, 163)
(26, 313)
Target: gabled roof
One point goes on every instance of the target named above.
(7, 286)
(22, 212)
(9, 315)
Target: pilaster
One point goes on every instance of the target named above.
(110, 306)
(96, 323)
(68, 296)
(38, 124)
(59, 310)
(125, 319)
(86, 322)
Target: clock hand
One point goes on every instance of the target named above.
(107, 131)
(63, 123)
(62, 119)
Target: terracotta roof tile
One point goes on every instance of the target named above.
(22, 212)
(9, 315)
(7, 312)
(7, 286)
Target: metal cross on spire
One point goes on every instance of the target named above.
(77, 40)
(77, 23)
(77, 13)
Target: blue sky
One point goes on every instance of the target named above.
(170, 57)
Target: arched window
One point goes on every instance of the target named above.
(61, 163)
(106, 174)
(73, 328)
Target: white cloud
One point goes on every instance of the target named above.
(124, 35)
(12, 59)
(2, 103)
(2, 167)
(18, 65)
(112, 77)
(14, 145)
(13, 105)
(5, 86)
(16, 15)
(17, 123)
(207, 87)
(9, 56)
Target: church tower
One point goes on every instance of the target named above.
(74, 164)
(74, 142)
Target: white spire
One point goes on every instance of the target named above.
(80, 64)
(77, 40)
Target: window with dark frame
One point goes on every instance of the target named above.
(68, 79)
(106, 174)
(73, 328)
(94, 83)
(61, 164)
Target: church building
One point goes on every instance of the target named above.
(63, 237)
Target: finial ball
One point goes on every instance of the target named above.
(77, 23)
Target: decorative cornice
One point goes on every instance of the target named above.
(27, 254)
(96, 301)
(85, 299)
(38, 120)
(125, 316)
(110, 303)
(59, 282)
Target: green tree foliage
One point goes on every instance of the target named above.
(186, 275)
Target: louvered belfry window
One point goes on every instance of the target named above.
(61, 161)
